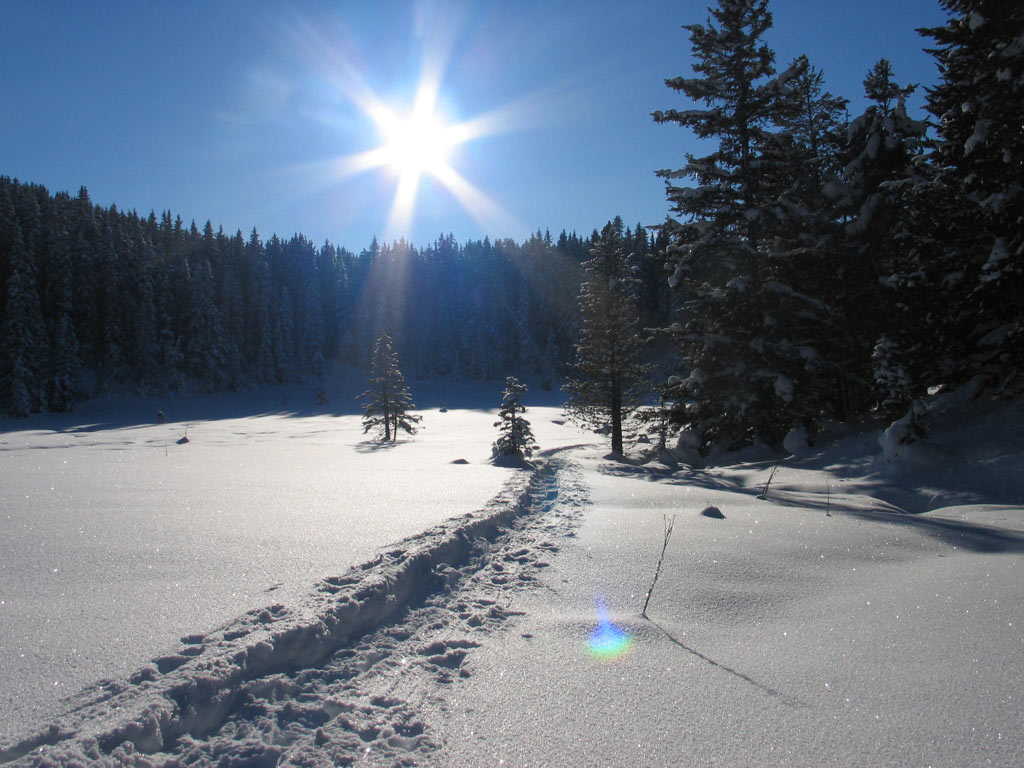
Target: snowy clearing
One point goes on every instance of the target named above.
(821, 625)
(118, 540)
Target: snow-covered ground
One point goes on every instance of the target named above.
(821, 625)
(117, 540)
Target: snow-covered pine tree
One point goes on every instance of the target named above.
(609, 378)
(109, 347)
(23, 343)
(883, 238)
(803, 255)
(516, 437)
(258, 343)
(309, 318)
(210, 355)
(282, 336)
(731, 339)
(387, 402)
(979, 156)
(230, 299)
(64, 368)
(146, 346)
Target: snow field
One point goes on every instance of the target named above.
(118, 540)
(263, 688)
(815, 624)
(777, 635)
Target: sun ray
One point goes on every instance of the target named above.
(528, 111)
(353, 165)
(400, 215)
(483, 209)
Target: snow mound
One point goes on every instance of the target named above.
(796, 442)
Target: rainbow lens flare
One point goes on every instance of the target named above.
(607, 641)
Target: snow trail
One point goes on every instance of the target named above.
(340, 675)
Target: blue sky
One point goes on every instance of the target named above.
(244, 112)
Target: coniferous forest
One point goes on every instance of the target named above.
(815, 266)
(99, 298)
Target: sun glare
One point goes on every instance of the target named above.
(417, 144)
(414, 143)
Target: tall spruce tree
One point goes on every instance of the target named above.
(609, 378)
(733, 338)
(810, 276)
(883, 165)
(387, 402)
(979, 166)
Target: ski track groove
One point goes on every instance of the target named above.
(340, 678)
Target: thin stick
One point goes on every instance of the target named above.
(764, 493)
(668, 535)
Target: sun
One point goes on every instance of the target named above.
(413, 140)
(419, 143)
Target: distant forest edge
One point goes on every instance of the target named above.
(93, 298)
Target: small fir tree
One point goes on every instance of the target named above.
(516, 436)
(387, 401)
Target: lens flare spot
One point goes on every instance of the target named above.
(607, 640)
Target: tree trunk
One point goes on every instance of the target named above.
(616, 409)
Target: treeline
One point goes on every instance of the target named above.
(94, 298)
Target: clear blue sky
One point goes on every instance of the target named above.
(242, 112)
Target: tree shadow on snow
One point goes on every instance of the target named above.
(787, 699)
(975, 537)
(891, 506)
(375, 446)
(661, 473)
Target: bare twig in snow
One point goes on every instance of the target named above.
(657, 572)
(764, 491)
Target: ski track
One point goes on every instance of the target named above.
(343, 677)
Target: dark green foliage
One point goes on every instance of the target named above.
(977, 168)
(63, 372)
(737, 339)
(516, 437)
(833, 272)
(23, 367)
(609, 378)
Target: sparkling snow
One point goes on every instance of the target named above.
(866, 611)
